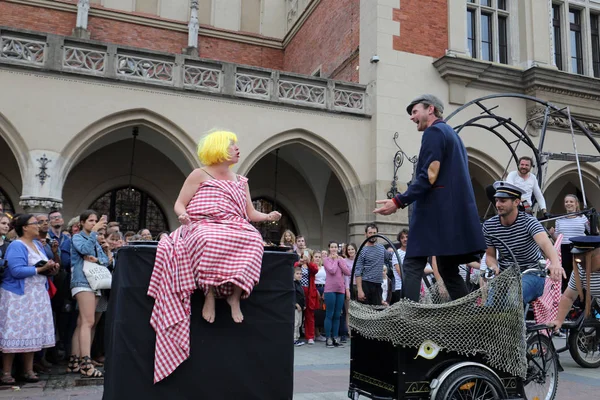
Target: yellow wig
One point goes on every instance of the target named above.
(212, 148)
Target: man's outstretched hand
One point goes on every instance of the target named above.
(387, 207)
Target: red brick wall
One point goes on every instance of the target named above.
(128, 34)
(134, 35)
(242, 53)
(423, 27)
(328, 37)
(36, 18)
(349, 73)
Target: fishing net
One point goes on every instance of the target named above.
(488, 321)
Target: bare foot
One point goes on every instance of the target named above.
(236, 312)
(208, 310)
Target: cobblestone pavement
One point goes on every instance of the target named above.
(320, 374)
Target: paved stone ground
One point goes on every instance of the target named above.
(320, 374)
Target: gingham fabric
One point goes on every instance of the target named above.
(218, 248)
(545, 308)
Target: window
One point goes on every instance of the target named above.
(557, 37)
(502, 40)
(487, 30)
(595, 22)
(575, 41)
(487, 48)
(133, 209)
(471, 33)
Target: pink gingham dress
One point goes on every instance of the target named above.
(218, 248)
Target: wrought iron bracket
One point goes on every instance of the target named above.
(44, 161)
(399, 158)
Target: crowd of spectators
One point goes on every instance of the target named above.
(49, 315)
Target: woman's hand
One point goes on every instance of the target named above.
(184, 218)
(100, 225)
(274, 216)
(90, 259)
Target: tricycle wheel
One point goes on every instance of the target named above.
(471, 383)
(584, 346)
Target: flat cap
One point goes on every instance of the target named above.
(507, 190)
(426, 98)
(583, 244)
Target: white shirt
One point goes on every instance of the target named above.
(529, 185)
(397, 280)
(320, 276)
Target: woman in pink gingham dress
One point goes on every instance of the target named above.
(216, 250)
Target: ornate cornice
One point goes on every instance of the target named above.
(535, 116)
(37, 203)
(506, 78)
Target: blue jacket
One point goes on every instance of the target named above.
(64, 246)
(84, 245)
(445, 220)
(17, 257)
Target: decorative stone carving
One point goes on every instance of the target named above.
(301, 92)
(535, 116)
(84, 60)
(44, 161)
(145, 68)
(40, 204)
(193, 25)
(202, 78)
(292, 13)
(253, 85)
(23, 50)
(349, 99)
(83, 9)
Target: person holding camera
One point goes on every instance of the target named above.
(26, 324)
(85, 247)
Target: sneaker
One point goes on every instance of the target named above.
(311, 341)
(298, 343)
(321, 338)
(343, 339)
(336, 343)
(329, 343)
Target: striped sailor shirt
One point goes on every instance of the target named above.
(518, 237)
(370, 262)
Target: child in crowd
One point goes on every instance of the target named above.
(299, 304)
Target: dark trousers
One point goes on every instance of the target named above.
(567, 263)
(396, 296)
(448, 269)
(373, 293)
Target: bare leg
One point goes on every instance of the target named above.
(28, 364)
(208, 311)
(7, 362)
(234, 303)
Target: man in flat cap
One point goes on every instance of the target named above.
(524, 236)
(444, 222)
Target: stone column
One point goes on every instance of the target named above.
(83, 8)
(42, 184)
(193, 28)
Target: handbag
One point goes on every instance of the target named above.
(98, 276)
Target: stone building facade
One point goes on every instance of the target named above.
(315, 89)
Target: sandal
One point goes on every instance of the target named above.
(7, 379)
(87, 370)
(97, 364)
(73, 365)
(30, 377)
